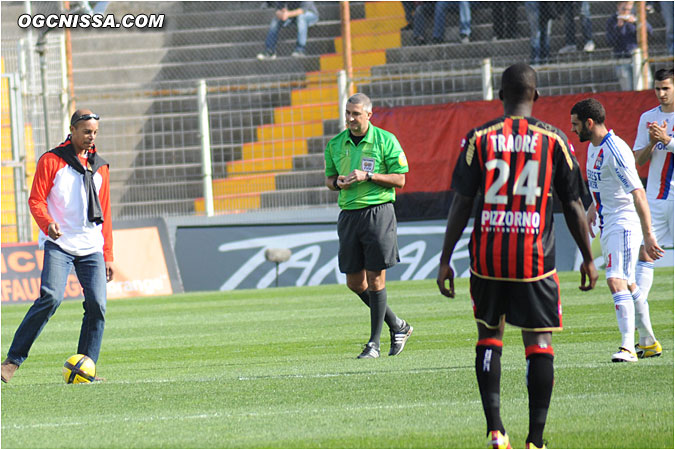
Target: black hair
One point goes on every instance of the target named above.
(663, 74)
(519, 83)
(589, 109)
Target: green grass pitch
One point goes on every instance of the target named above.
(277, 368)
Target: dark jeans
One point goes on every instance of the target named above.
(91, 272)
(570, 10)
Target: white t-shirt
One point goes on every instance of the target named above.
(612, 176)
(660, 179)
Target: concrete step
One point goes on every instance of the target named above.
(243, 184)
(191, 138)
(216, 14)
(210, 52)
(196, 7)
(331, 127)
(252, 106)
(423, 86)
(309, 112)
(218, 120)
(117, 42)
(252, 100)
(259, 166)
(317, 145)
(129, 39)
(435, 99)
(580, 88)
(200, 7)
(252, 33)
(298, 197)
(272, 148)
(300, 180)
(296, 130)
(419, 84)
(308, 162)
(130, 76)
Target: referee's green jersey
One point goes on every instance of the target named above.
(379, 152)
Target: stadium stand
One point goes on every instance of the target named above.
(10, 180)
(270, 120)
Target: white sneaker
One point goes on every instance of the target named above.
(624, 355)
(567, 49)
(266, 55)
(589, 46)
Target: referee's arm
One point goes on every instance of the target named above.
(332, 183)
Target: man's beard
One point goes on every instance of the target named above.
(584, 135)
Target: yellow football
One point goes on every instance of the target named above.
(79, 369)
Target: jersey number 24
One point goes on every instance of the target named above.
(525, 185)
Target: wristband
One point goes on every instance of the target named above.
(670, 146)
(335, 185)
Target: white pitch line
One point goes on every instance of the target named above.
(243, 414)
(303, 411)
(597, 365)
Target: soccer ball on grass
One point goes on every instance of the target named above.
(79, 369)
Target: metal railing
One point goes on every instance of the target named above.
(265, 129)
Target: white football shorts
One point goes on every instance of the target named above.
(662, 221)
(620, 249)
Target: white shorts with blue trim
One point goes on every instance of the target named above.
(620, 249)
(662, 221)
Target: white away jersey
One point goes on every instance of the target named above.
(660, 179)
(612, 176)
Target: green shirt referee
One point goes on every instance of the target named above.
(366, 164)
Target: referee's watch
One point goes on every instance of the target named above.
(369, 176)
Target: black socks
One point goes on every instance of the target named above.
(389, 317)
(488, 374)
(540, 388)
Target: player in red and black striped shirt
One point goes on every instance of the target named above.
(514, 164)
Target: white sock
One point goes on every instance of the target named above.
(625, 316)
(644, 276)
(642, 321)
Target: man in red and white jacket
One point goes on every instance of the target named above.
(70, 202)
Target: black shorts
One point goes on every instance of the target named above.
(367, 238)
(532, 305)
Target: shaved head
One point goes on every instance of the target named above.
(519, 84)
(82, 114)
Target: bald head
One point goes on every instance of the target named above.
(519, 84)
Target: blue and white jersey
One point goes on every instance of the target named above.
(660, 182)
(612, 176)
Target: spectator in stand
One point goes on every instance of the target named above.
(540, 17)
(570, 10)
(622, 36)
(667, 13)
(86, 8)
(504, 20)
(440, 11)
(426, 10)
(409, 10)
(304, 14)
(422, 18)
